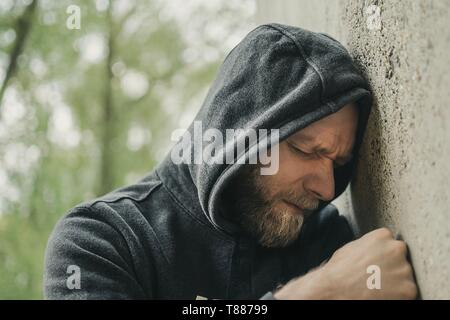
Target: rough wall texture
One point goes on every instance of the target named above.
(403, 175)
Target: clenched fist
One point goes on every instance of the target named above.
(345, 275)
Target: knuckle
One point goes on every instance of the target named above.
(400, 247)
(384, 233)
(408, 271)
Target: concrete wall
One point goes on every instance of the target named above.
(403, 176)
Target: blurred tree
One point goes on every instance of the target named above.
(107, 158)
(22, 29)
(90, 110)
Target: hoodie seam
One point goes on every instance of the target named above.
(120, 197)
(289, 35)
(192, 216)
(231, 270)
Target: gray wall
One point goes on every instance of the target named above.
(403, 176)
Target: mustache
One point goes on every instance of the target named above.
(300, 200)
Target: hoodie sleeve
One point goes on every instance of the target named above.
(88, 257)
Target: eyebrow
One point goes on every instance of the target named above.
(339, 160)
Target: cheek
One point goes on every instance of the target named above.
(292, 167)
(289, 172)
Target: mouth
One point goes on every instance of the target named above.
(297, 209)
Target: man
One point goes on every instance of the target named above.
(225, 230)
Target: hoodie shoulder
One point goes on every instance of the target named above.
(96, 250)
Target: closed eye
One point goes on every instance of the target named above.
(299, 151)
(308, 155)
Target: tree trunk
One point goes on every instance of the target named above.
(107, 121)
(22, 29)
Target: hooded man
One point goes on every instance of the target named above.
(224, 229)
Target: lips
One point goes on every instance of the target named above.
(303, 211)
(292, 205)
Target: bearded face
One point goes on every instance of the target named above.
(273, 208)
(275, 220)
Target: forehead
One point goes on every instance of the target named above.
(341, 125)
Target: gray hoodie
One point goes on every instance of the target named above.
(165, 236)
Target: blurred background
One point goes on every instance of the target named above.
(84, 111)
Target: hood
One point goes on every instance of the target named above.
(278, 77)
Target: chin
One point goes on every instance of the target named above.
(284, 228)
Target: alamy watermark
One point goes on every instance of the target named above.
(73, 21)
(74, 280)
(374, 280)
(238, 145)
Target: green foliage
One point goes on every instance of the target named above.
(55, 129)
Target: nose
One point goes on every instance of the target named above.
(321, 181)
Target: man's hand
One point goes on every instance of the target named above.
(345, 275)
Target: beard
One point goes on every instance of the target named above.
(251, 206)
